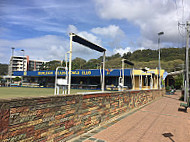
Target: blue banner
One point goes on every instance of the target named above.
(92, 72)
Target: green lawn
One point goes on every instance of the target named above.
(15, 92)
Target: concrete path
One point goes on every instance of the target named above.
(160, 121)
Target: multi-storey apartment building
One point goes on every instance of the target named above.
(34, 65)
(22, 63)
(17, 63)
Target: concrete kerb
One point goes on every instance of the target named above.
(85, 136)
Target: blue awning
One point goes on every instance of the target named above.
(78, 73)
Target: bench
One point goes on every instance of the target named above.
(185, 105)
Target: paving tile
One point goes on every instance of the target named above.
(150, 123)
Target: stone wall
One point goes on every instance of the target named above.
(59, 118)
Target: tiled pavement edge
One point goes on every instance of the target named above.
(88, 137)
(160, 121)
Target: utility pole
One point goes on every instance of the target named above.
(186, 95)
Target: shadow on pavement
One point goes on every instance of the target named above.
(167, 96)
(182, 109)
(168, 135)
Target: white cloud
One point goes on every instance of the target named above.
(141, 48)
(151, 16)
(121, 51)
(48, 47)
(46, 16)
(112, 31)
(72, 29)
(111, 34)
(148, 43)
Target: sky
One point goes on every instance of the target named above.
(42, 28)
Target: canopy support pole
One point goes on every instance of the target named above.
(123, 74)
(70, 63)
(103, 81)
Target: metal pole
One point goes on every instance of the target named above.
(123, 74)
(66, 60)
(141, 80)
(66, 68)
(133, 80)
(103, 81)
(12, 51)
(70, 63)
(11, 70)
(157, 78)
(22, 68)
(23, 62)
(159, 62)
(55, 90)
(160, 33)
(101, 73)
(151, 82)
(146, 81)
(187, 63)
(66, 65)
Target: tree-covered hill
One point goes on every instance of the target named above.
(167, 54)
(171, 59)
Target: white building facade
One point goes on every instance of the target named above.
(22, 63)
(17, 63)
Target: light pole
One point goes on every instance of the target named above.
(12, 60)
(22, 67)
(159, 34)
(12, 51)
(11, 65)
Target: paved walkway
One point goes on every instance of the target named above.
(160, 121)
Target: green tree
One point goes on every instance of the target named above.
(17, 79)
(51, 65)
(114, 63)
(92, 64)
(117, 55)
(178, 81)
(78, 63)
(107, 58)
(3, 69)
(127, 55)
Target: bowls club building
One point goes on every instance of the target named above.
(135, 79)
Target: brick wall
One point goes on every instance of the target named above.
(59, 118)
